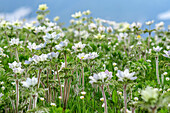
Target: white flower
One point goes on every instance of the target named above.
(53, 55)
(149, 93)
(115, 68)
(101, 29)
(167, 78)
(157, 49)
(125, 75)
(122, 36)
(29, 26)
(82, 56)
(62, 85)
(103, 104)
(83, 92)
(3, 88)
(49, 38)
(165, 73)
(109, 29)
(30, 82)
(41, 98)
(1, 95)
(2, 83)
(60, 97)
(53, 104)
(42, 7)
(136, 98)
(101, 99)
(99, 36)
(114, 64)
(159, 26)
(149, 22)
(92, 27)
(86, 12)
(15, 41)
(120, 93)
(92, 55)
(148, 60)
(78, 46)
(167, 53)
(168, 89)
(81, 97)
(18, 70)
(76, 15)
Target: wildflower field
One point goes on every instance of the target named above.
(91, 66)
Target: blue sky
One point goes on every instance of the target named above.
(117, 10)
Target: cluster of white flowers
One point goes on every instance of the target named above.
(102, 76)
(43, 57)
(159, 26)
(16, 67)
(35, 47)
(30, 82)
(83, 56)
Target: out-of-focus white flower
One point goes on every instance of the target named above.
(30, 82)
(53, 104)
(53, 55)
(99, 36)
(157, 49)
(82, 56)
(149, 22)
(109, 29)
(159, 26)
(88, 12)
(136, 98)
(60, 97)
(148, 60)
(62, 44)
(122, 36)
(149, 93)
(3, 88)
(83, 92)
(78, 46)
(76, 15)
(81, 97)
(102, 99)
(168, 89)
(29, 26)
(2, 83)
(56, 18)
(103, 104)
(115, 68)
(101, 29)
(62, 85)
(1, 95)
(165, 73)
(92, 55)
(41, 98)
(42, 7)
(100, 77)
(120, 93)
(125, 75)
(167, 78)
(49, 38)
(15, 41)
(92, 27)
(167, 53)
(18, 70)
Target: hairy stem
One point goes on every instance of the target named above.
(105, 102)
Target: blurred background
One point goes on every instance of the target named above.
(115, 10)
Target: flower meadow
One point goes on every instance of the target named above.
(91, 66)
